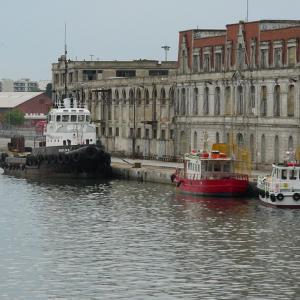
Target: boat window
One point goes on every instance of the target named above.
(293, 174)
(88, 118)
(226, 167)
(217, 167)
(73, 118)
(58, 118)
(65, 118)
(81, 118)
(209, 167)
(283, 174)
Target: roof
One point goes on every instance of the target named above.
(13, 99)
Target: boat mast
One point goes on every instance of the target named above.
(66, 63)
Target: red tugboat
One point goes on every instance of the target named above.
(210, 174)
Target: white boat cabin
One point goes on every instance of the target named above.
(204, 165)
(69, 125)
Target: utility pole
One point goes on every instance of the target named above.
(166, 48)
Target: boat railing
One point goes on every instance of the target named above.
(215, 175)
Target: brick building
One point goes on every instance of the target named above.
(34, 105)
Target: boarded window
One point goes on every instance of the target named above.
(263, 99)
(291, 56)
(227, 100)
(291, 101)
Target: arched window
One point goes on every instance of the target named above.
(206, 101)
(276, 107)
(263, 149)
(116, 95)
(163, 96)
(252, 100)
(195, 101)
(154, 98)
(217, 138)
(263, 101)
(291, 144)
(240, 139)
(276, 149)
(124, 95)
(183, 144)
(217, 101)
(182, 102)
(291, 101)
(131, 97)
(240, 100)
(195, 140)
(172, 96)
(252, 148)
(147, 97)
(139, 96)
(228, 100)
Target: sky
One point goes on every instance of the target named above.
(32, 32)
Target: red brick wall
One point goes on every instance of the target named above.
(40, 104)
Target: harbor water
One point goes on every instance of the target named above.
(130, 240)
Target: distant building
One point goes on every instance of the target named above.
(21, 85)
(34, 105)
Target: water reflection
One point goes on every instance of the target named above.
(128, 240)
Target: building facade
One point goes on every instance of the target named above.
(240, 84)
(21, 85)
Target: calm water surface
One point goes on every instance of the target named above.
(128, 240)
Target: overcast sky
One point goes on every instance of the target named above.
(32, 31)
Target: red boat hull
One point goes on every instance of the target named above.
(225, 187)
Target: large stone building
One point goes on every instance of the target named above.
(239, 84)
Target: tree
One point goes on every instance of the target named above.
(14, 117)
(49, 90)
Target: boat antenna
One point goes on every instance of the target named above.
(247, 18)
(66, 62)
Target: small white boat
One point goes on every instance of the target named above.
(281, 188)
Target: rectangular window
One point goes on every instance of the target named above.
(81, 118)
(125, 73)
(147, 133)
(73, 118)
(139, 134)
(171, 134)
(131, 132)
(103, 131)
(158, 72)
(110, 131)
(264, 58)
(163, 134)
(154, 133)
(117, 131)
(65, 118)
(58, 118)
(195, 63)
(218, 62)
(277, 57)
(291, 56)
(89, 75)
(206, 63)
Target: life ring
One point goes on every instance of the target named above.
(280, 197)
(296, 196)
(273, 197)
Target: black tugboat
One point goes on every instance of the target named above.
(69, 148)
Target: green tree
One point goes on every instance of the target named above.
(14, 117)
(49, 90)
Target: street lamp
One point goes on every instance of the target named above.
(166, 48)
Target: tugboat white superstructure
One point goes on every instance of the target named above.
(69, 148)
(281, 188)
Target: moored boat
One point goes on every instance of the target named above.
(69, 147)
(210, 174)
(282, 187)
